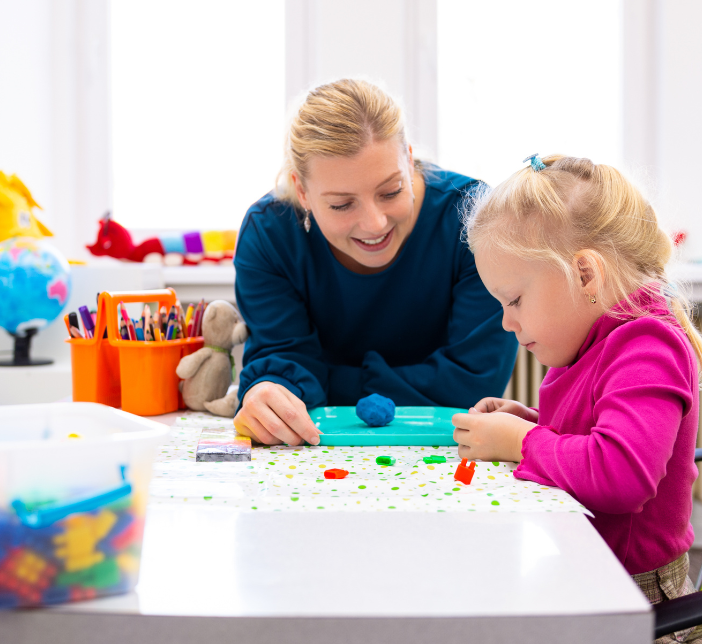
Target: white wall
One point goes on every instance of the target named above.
(26, 98)
(662, 107)
(393, 41)
(54, 116)
(54, 112)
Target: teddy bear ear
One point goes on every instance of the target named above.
(239, 333)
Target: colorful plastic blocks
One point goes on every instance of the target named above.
(77, 545)
(26, 574)
(335, 474)
(465, 474)
(434, 459)
(385, 460)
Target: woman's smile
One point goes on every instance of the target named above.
(375, 244)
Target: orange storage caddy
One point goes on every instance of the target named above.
(136, 375)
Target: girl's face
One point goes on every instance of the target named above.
(364, 205)
(540, 306)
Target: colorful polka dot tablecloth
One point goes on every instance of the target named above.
(284, 478)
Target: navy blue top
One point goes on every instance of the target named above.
(424, 331)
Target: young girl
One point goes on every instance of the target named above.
(575, 255)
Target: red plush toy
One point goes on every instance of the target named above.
(190, 248)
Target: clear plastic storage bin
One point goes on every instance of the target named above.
(74, 481)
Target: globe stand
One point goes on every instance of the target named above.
(21, 357)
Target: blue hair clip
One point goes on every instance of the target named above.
(536, 162)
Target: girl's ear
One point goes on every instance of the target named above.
(300, 191)
(589, 267)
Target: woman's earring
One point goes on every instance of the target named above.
(593, 299)
(307, 223)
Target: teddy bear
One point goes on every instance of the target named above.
(208, 373)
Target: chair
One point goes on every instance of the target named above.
(683, 612)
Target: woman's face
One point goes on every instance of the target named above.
(364, 205)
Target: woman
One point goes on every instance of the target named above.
(352, 277)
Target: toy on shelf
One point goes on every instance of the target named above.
(35, 279)
(16, 205)
(208, 372)
(188, 249)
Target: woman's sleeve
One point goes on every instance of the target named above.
(641, 392)
(283, 346)
(476, 361)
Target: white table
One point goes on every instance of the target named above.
(216, 576)
(213, 574)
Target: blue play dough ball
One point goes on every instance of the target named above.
(375, 410)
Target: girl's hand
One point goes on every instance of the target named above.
(496, 436)
(490, 405)
(271, 415)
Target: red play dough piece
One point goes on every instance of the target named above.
(465, 474)
(335, 474)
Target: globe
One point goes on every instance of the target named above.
(35, 283)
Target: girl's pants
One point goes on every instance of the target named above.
(668, 582)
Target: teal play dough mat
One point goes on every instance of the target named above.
(411, 426)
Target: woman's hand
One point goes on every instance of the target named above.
(490, 405)
(271, 415)
(494, 436)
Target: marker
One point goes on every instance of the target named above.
(73, 320)
(87, 321)
(68, 324)
(75, 333)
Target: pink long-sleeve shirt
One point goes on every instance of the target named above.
(617, 430)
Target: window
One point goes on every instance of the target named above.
(519, 77)
(198, 110)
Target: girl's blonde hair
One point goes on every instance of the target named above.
(337, 120)
(573, 205)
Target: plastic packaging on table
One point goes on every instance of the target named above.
(138, 376)
(73, 488)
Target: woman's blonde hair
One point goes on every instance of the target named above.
(574, 205)
(337, 120)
